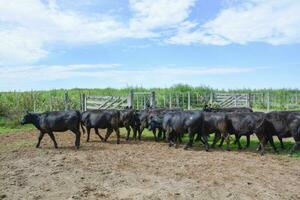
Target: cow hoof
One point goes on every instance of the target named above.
(37, 146)
(228, 149)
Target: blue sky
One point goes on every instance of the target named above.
(46, 44)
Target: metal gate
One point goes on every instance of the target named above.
(226, 100)
(137, 100)
(103, 102)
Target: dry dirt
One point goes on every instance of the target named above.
(138, 170)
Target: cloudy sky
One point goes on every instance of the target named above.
(46, 44)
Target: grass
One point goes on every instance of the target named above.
(5, 130)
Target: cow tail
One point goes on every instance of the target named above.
(82, 127)
(80, 122)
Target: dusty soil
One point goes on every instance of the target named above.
(138, 170)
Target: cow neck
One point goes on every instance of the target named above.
(36, 121)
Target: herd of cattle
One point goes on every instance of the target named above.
(171, 124)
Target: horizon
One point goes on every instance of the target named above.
(64, 44)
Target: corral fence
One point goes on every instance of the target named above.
(192, 100)
(39, 101)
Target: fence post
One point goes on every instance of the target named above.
(34, 106)
(170, 100)
(50, 103)
(83, 102)
(66, 101)
(189, 101)
(144, 102)
(211, 98)
(130, 99)
(268, 101)
(164, 101)
(249, 100)
(152, 99)
(80, 100)
(235, 100)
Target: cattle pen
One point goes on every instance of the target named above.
(141, 169)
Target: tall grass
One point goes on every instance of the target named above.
(13, 104)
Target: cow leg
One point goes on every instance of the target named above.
(191, 140)
(97, 133)
(77, 140)
(170, 138)
(216, 139)
(262, 142)
(237, 139)
(108, 133)
(248, 141)
(205, 138)
(164, 135)
(272, 144)
(118, 134)
(262, 146)
(128, 132)
(41, 135)
(88, 130)
(159, 134)
(53, 139)
(221, 142)
(281, 142)
(177, 136)
(154, 134)
(134, 132)
(295, 147)
(227, 138)
(140, 133)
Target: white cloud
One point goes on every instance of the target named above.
(274, 22)
(27, 27)
(109, 75)
(149, 14)
(30, 28)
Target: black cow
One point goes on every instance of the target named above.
(282, 124)
(57, 121)
(215, 123)
(176, 123)
(128, 120)
(103, 119)
(244, 124)
(144, 116)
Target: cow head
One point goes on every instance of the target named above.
(28, 118)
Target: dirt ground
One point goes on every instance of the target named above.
(138, 170)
